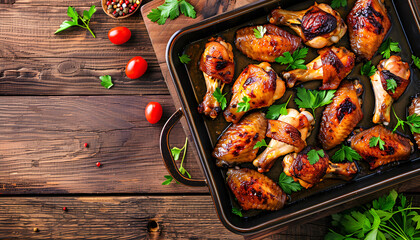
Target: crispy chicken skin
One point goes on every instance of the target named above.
(254, 190)
(285, 143)
(396, 146)
(260, 84)
(415, 109)
(273, 44)
(319, 26)
(392, 68)
(237, 142)
(298, 166)
(218, 67)
(341, 115)
(331, 66)
(368, 24)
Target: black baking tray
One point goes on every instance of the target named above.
(329, 195)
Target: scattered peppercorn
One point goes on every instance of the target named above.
(65, 209)
(121, 7)
(98, 164)
(86, 145)
(36, 229)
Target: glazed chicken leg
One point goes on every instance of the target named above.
(295, 125)
(368, 24)
(415, 109)
(341, 115)
(389, 70)
(331, 66)
(260, 84)
(217, 66)
(298, 166)
(318, 26)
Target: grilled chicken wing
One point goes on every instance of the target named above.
(331, 66)
(368, 24)
(388, 69)
(396, 147)
(341, 115)
(237, 142)
(415, 109)
(260, 84)
(254, 190)
(218, 67)
(273, 44)
(285, 142)
(318, 26)
(298, 166)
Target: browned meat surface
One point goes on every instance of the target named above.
(254, 190)
(318, 26)
(331, 66)
(368, 24)
(287, 133)
(260, 84)
(273, 44)
(237, 142)
(341, 115)
(396, 147)
(415, 109)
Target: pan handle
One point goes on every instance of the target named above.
(167, 156)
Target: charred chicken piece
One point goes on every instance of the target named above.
(331, 66)
(396, 147)
(318, 26)
(260, 84)
(415, 109)
(273, 44)
(368, 24)
(392, 69)
(237, 142)
(285, 142)
(298, 166)
(254, 190)
(218, 68)
(341, 115)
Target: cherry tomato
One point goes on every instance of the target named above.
(153, 112)
(119, 35)
(136, 67)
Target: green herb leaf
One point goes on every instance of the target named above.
(259, 144)
(244, 105)
(368, 69)
(386, 202)
(237, 211)
(106, 81)
(294, 61)
(72, 13)
(391, 84)
(274, 111)
(184, 58)
(313, 99)
(259, 31)
(168, 180)
(220, 98)
(87, 15)
(338, 3)
(155, 15)
(313, 156)
(288, 184)
(387, 47)
(413, 122)
(374, 141)
(176, 152)
(187, 9)
(171, 9)
(65, 25)
(346, 153)
(416, 61)
(416, 219)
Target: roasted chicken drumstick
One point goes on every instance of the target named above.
(391, 70)
(415, 109)
(218, 68)
(331, 66)
(298, 166)
(368, 24)
(273, 44)
(257, 83)
(318, 26)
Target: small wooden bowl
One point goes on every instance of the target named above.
(105, 8)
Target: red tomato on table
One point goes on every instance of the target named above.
(119, 35)
(136, 67)
(153, 112)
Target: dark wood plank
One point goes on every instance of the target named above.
(42, 152)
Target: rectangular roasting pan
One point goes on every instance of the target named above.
(330, 195)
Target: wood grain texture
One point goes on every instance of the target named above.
(42, 152)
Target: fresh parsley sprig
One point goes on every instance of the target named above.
(416, 61)
(391, 84)
(387, 47)
(220, 98)
(259, 31)
(288, 184)
(338, 3)
(314, 155)
(106, 81)
(237, 211)
(171, 9)
(75, 17)
(375, 141)
(184, 58)
(274, 111)
(259, 144)
(345, 153)
(413, 122)
(295, 60)
(368, 69)
(313, 99)
(244, 106)
(176, 152)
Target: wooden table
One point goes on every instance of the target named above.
(52, 103)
